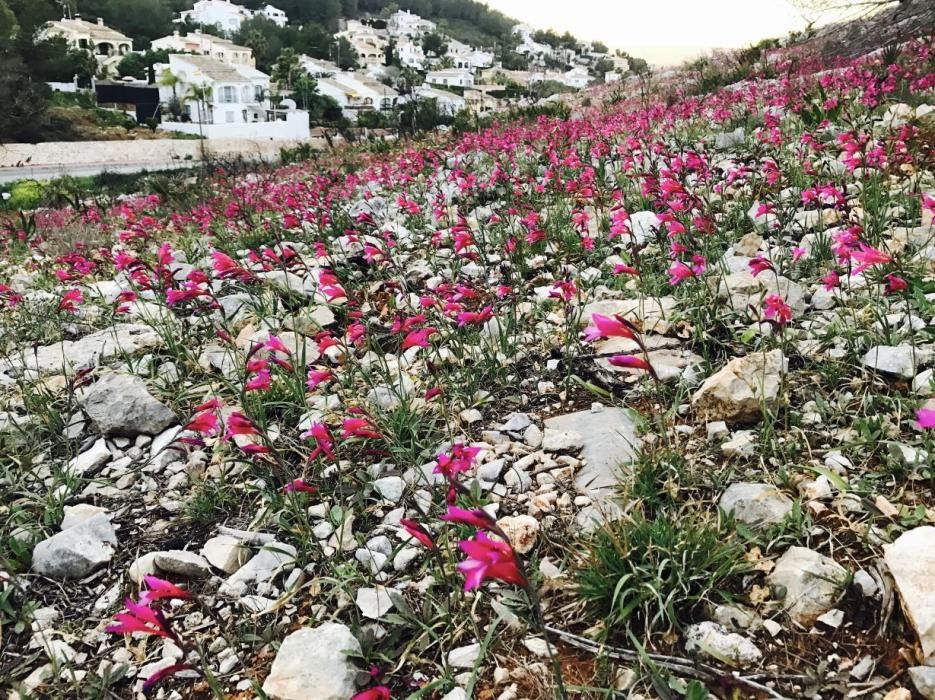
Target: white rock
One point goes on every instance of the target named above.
(521, 530)
(812, 582)
(182, 563)
(77, 551)
(272, 559)
(373, 603)
(390, 487)
(561, 441)
(120, 404)
(923, 678)
(711, 640)
(756, 505)
(740, 389)
(77, 514)
(901, 360)
(313, 663)
(911, 561)
(464, 657)
(225, 553)
(90, 459)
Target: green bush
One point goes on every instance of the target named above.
(25, 195)
(650, 575)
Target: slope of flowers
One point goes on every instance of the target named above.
(464, 408)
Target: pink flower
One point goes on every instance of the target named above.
(630, 361)
(606, 327)
(157, 589)
(299, 486)
(316, 377)
(324, 442)
(239, 424)
(261, 382)
(488, 559)
(831, 281)
(225, 267)
(457, 462)
(466, 318)
(895, 283)
(432, 393)
(621, 269)
(206, 423)
(925, 417)
(140, 618)
(477, 517)
(70, 301)
(775, 307)
(679, 272)
(381, 692)
(418, 338)
(798, 252)
(760, 264)
(867, 257)
(417, 532)
(359, 427)
(150, 683)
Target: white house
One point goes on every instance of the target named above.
(356, 93)
(454, 77)
(207, 45)
(318, 67)
(212, 92)
(274, 14)
(411, 54)
(221, 100)
(223, 13)
(107, 45)
(405, 23)
(447, 102)
(578, 78)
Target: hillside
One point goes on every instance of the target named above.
(637, 402)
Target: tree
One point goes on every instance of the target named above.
(598, 47)
(202, 95)
(8, 23)
(287, 69)
(344, 54)
(434, 44)
(24, 116)
(132, 65)
(390, 57)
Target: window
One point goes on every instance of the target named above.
(229, 117)
(257, 93)
(228, 94)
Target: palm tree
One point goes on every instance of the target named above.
(203, 95)
(170, 80)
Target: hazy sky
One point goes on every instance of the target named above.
(661, 31)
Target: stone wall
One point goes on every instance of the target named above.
(151, 154)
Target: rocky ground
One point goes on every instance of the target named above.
(675, 355)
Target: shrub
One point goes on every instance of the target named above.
(650, 575)
(26, 195)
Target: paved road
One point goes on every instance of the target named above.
(49, 172)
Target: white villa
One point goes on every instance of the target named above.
(448, 102)
(221, 50)
(454, 77)
(222, 100)
(213, 92)
(108, 45)
(274, 14)
(410, 54)
(578, 78)
(355, 92)
(405, 23)
(229, 16)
